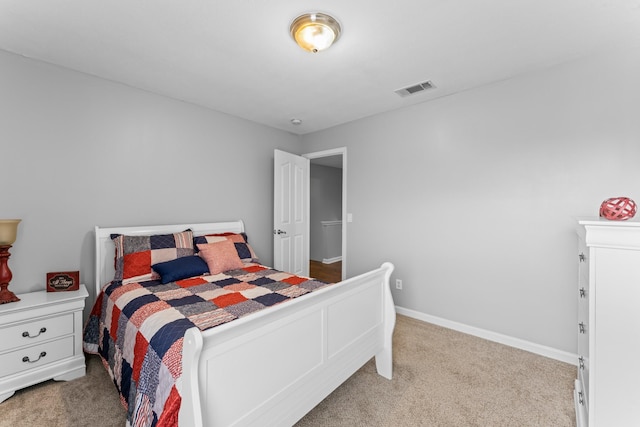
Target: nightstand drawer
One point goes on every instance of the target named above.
(35, 356)
(33, 332)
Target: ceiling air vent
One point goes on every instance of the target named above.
(412, 90)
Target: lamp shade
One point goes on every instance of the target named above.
(315, 31)
(8, 231)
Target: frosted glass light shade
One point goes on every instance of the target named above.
(8, 231)
(315, 32)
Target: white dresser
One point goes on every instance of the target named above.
(41, 339)
(607, 389)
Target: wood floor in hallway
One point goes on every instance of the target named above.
(330, 273)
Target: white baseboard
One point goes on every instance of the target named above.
(531, 347)
(331, 260)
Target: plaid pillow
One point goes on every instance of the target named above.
(136, 254)
(240, 240)
(245, 252)
(213, 238)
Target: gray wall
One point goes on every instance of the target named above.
(77, 151)
(472, 196)
(325, 204)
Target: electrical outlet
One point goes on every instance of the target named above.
(398, 284)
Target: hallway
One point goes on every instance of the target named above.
(330, 273)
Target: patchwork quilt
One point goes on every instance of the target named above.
(138, 329)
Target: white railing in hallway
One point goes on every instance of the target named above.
(331, 241)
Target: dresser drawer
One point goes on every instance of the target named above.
(583, 376)
(35, 331)
(583, 268)
(580, 405)
(35, 356)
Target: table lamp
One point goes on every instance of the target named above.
(8, 232)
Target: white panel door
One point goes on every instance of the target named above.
(291, 213)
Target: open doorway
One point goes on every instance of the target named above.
(327, 215)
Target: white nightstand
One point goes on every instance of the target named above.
(41, 339)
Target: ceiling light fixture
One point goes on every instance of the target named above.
(315, 31)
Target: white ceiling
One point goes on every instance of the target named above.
(236, 56)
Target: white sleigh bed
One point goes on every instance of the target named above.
(311, 344)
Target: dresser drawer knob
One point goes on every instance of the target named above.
(27, 335)
(26, 358)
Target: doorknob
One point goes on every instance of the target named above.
(279, 232)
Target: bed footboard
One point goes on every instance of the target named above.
(273, 367)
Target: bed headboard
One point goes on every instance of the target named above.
(105, 250)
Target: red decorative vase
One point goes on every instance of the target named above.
(618, 208)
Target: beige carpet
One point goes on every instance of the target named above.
(441, 378)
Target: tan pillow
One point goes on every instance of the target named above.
(220, 256)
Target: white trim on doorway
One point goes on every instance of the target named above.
(342, 151)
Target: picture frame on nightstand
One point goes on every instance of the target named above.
(62, 281)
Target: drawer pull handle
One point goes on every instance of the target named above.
(27, 335)
(26, 358)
